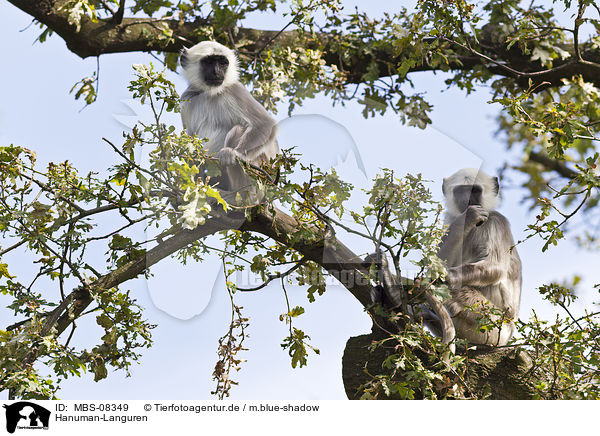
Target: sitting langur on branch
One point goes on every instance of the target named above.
(218, 107)
(484, 269)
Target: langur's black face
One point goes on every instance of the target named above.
(213, 69)
(467, 195)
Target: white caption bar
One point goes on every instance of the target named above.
(307, 418)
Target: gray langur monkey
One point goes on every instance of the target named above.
(484, 268)
(218, 107)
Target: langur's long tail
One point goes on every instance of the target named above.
(447, 326)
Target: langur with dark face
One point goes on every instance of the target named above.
(484, 269)
(218, 107)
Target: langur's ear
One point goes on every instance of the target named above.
(496, 186)
(444, 188)
(183, 57)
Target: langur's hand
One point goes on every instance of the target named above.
(453, 277)
(475, 215)
(227, 156)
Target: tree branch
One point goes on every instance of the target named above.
(81, 298)
(331, 254)
(502, 373)
(553, 164)
(148, 34)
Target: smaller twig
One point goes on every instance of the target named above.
(32, 233)
(133, 164)
(73, 326)
(61, 276)
(107, 7)
(135, 221)
(87, 312)
(575, 320)
(28, 26)
(559, 225)
(61, 197)
(506, 67)
(158, 59)
(101, 209)
(578, 20)
(383, 329)
(273, 38)
(18, 324)
(560, 194)
(327, 218)
(461, 380)
(581, 318)
(118, 15)
(12, 247)
(271, 277)
(257, 169)
(97, 75)
(287, 303)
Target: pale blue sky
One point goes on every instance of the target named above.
(37, 111)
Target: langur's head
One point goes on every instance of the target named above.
(470, 186)
(209, 66)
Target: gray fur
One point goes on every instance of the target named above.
(235, 113)
(483, 268)
(234, 123)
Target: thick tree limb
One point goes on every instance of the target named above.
(120, 35)
(552, 164)
(504, 371)
(335, 257)
(73, 305)
(79, 299)
(503, 374)
(330, 253)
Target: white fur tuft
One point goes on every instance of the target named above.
(191, 71)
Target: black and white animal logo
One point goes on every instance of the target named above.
(24, 414)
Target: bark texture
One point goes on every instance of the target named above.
(148, 34)
(501, 374)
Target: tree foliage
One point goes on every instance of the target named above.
(543, 72)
